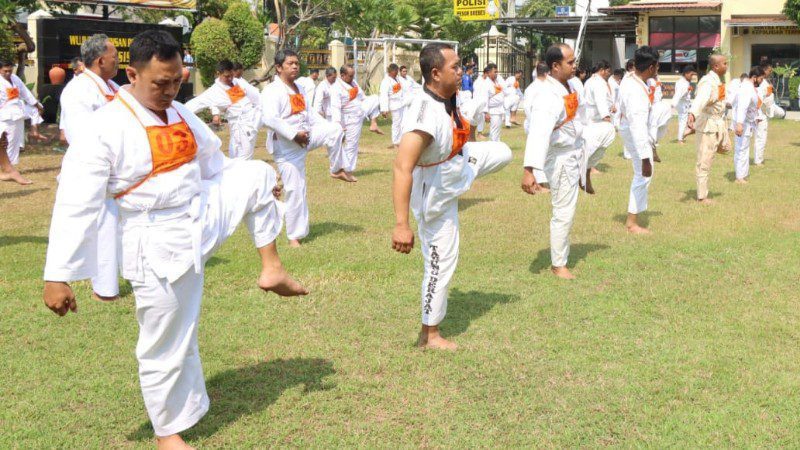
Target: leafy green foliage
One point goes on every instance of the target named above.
(7, 50)
(246, 32)
(211, 42)
(792, 10)
(794, 83)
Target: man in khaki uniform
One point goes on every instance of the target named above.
(706, 116)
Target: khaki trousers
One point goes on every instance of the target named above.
(707, 146)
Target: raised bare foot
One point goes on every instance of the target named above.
(681, 142)
(39, 137)
(279, 282)
(174, 442)
(340, 175)
(741, 181)
(594, 171)
(350, 177)
(294, 243)
(16, 177)
(706, 201)
(435, 343)
(636, 229)
(562, 272)
(375, 129)
(101, 298)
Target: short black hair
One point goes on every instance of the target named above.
(313, 71)
(518, 72)
(6, 63)
(343, 70)
(237, 66)
(689, 69)
(490, 67)
(431, 57)
(153, 44)
(765, 64)
(542, 68)
(644, 58)
(74, 61)
(619, 73)
(554, 54)
(468, 68)
(629, 65)
(601, 65)
(757, 71)
(224, 66)
(403, 67)
(393, 68)
(282, 55)
(330, 71)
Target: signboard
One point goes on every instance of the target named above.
(468, 10)
(775, 30)
(315, 58)
(562, 11)
(161, 4)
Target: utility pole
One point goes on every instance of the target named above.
(511, 11)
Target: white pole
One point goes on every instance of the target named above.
(581, 32)
(355, 60)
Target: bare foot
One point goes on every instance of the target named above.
(101, 298)
(562, 272)
(376, 130)
(173, 442)
(39, 137)
(340, 175)
(741, 181)
(350, 177)
(294, 243)
(279, 282)
(594, 171)
(636, 229)
(16, 177)
(435, 343)
(681, 142)
(706, 201)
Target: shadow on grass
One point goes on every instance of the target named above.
(320, 229)
(14, 240)
(691, 195)
(464, 307)
(603, 167)
(22, 193)
(215, 261)
(43, 169)
(249, 390)
(644, 218)
(577, 252)
(367, 172)
(467, 203)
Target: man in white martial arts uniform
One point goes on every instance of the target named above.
(598, 130)
(322, 94)
(477, 91)
(554, 146)
(391, 101)
(746, 116)
(434, 166)
(81, 97)
(180, 198)
(629, 70)
(409, 83)
(614, 81)
(309, 85)
(14, 99)
(707, 117)
(660, 113)
(294, 131)
(513, 98)
(682, 100)
(540, 76)
(349, 108)
(241, 107)
(493, 94)
(766, 93)
(636, 101)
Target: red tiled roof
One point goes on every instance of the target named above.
(636, 7)
(760, 20)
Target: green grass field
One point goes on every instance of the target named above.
(684, 338)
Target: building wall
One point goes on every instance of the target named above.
(739, 47)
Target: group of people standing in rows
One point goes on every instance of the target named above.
(145, 176)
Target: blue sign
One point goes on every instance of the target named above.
(563, 10)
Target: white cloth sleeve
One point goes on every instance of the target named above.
(384, 94)
(271, 114)
(547, 112)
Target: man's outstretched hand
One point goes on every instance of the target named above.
(58, 296)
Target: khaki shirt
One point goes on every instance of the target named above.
(708, 108)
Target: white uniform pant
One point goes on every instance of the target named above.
(371, 107)
(659, 119)
(397, 125)
(741, 154)
(637, 200)
(564, 198)
(170, 372)
(760, 141)
(439, 233)
(106, 282)
(683, 119)
(14, 132)
(495, 124)
(349, 152)
(291, 161)
(243, 140)
(597, 137)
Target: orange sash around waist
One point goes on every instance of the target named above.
(171, 146)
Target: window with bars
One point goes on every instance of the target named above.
(683, 41)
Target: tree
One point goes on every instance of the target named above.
(246, 33)
(292, 15)
(211, 42)
(792, 10)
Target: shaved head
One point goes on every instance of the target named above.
(718, 63)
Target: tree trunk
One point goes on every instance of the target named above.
(23, 49)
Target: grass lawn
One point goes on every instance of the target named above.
(685, 338)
